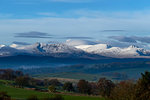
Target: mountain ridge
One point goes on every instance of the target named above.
(116, 52)
(61, 50)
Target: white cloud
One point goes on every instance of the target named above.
(134, 24)
(109, 14)
(78, 26)
(131, 39)
(80, 42)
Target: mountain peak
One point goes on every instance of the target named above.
(64, 50)
(14, 45)
(2, 45)
(133, 46)
(105, 46)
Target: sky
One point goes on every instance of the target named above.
(115, 22)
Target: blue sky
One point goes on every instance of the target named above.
(112, 21)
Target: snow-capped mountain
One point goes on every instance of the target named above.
(50, 48)
(80, 51)
(42, 49)
(2, 46)
(9, 51)
(116, 52)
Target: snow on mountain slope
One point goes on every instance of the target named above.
(84, 51)
(116, 52)
(49, 48)
(2, 46)
(92, 48)
(56, 50)
(14, 46)
(8, 51)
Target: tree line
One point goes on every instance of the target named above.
(124, 90)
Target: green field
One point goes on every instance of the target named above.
(67, 75)
(22, 94)
(132, 73)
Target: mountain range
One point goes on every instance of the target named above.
(60, 50)
(41, 55)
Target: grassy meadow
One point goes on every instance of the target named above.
(22, 94)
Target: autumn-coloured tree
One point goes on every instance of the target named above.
(7, 74)
(94, 88)
(84, 87)
(123, 91)
(105, 87)
(54, 82)
(22, 81)
(68, 86)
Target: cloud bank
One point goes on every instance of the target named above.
(131, 39)
(32, 34)
(123, 39)
(20, 43)
(113, 31)
(80, 42)
(79, 38)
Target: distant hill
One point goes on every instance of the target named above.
(56, 55)
(92, 72)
